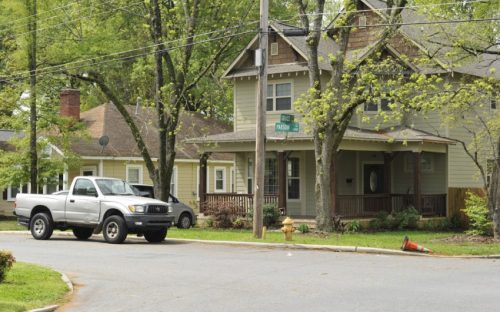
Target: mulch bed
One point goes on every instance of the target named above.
(462, 238)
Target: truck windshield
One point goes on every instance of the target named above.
(114, 187)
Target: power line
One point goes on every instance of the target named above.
(58, 68)
(136, 49)
(38, 14)
(77, 19)
(398, 7)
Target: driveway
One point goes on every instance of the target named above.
(173, 276)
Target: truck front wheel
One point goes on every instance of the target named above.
(156, 236)
(82, 233)
(114, 230)
(41, 226)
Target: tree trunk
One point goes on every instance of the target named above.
(494, 197)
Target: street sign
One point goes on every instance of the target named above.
(286, 127)
(287, 118)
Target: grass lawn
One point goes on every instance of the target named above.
(391, 240)
(29, 286)
(11, 225)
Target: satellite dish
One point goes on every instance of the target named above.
(103, 141)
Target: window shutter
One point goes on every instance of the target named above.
(4, 195)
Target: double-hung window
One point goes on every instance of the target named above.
(134, 174)
(250, 176)
(293, 177)
(279, 97)
(173, 182)
(220, 179)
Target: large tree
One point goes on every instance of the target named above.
(329, 108)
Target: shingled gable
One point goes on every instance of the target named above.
(433, 40)
(107, 120)
(243, 65)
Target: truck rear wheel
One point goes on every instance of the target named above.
(41, 226)
(156, 236)
(82, 233)
(114, 230)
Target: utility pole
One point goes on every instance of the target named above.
(260, 135)
(32, 28)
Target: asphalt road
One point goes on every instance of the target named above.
(174, 276)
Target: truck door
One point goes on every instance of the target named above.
(83, 204)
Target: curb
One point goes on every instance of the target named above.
(356, 249)
(53, 307)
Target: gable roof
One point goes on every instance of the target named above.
(107, 120)
(434, 40)
(298, 43)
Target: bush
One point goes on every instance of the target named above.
(271, 214)
(476, 210)
(6, 262)
(239, 223)
(223, 218)
(406, 219)
(353, 226)
(381, 221)
(303, 228)
(209, 222)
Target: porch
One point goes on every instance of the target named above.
(348, 206)
(375, 171)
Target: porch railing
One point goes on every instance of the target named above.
(240, 204)
(361, 206)
(347, 206)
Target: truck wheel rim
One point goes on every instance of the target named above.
(112, 229)
(39, 226)
(185, 222)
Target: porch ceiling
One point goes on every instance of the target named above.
(390, 138)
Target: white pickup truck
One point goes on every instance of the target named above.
(92, 205)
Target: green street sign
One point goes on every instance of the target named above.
(287, 118)
(286, 127)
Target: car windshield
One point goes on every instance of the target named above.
(114, 187)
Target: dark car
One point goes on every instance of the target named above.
(184, 216)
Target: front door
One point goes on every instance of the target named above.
(373, 179)
(373, 184)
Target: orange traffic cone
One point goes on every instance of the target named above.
(408, 245)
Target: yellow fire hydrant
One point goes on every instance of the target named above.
(288, 228)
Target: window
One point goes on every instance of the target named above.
(493, 103)
(426, 162)
(84, 187)
(279, 97)
(293, 177)
(271, 177)
(382, 105)
(134, 174)
(250, 176)
(88, 171)
(220, 179)
(173, 182)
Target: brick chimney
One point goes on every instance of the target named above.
(70, 103)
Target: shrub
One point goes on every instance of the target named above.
(209, 222)
(338, 225)
(476, 210)
(406, 219)
(381, 221)
(303, 228)
(239, 223)
(353, 226)
(271, 214)
(223, 218)
(6, 262)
